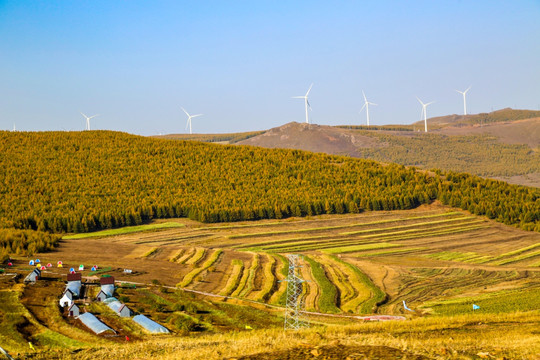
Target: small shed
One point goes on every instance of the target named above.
(150, 325)
(107, 285)
(67, 298)
(101, 296)
(33, 276)
(94, 324)
(74, 310)
(120, 309)
(74, 284)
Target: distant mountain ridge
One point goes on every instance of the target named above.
(502, 144)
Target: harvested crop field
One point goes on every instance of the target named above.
(355, 264)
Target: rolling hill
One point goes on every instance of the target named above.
(501, 145)
(79, 182)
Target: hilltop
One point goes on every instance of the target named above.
(502, 144)
(499, 116)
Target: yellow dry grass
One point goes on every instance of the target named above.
(460, 337)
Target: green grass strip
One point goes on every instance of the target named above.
(282, 300)
(269, 279)
(378, 296)
(518, 251)
(327, 300)
(392, 252)
(188, 279)
(124, 230)
(199, 254)
(453, 256)
(272, 233)
(246, 283)
(390, 237)
(346, 240)
(234, 278)
(261, 245)
(151, 252)
(517, 258)
(101, 271)
(409, 225)
(357, 248)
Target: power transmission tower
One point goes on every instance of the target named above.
(294, 318)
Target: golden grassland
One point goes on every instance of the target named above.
(206, 282)
(475, 336)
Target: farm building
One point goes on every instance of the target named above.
(120, 309)
(73, 310)
(93, 323)
(74, 284)
(67, 298)
(33, 276)
(107, 285)
(150, 325)
(101, 296)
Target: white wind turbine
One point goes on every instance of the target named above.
(88, 120)
(366, 105)
(464, 93)
(305, 97)
(189, 119)
(424, 112)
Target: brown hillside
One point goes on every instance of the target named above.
(514, 132)
(498, 116)
(310, 137)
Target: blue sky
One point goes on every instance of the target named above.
(239, 63)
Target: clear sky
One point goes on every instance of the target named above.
(239, 62)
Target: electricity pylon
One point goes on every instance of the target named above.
(294, 317)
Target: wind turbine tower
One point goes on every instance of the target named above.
(305, 97)
(424, 112)
(366, 105)
(189, 119)
(88, 120)
(464, 93)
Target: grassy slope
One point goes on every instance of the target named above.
(481, 155)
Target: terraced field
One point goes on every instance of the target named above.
(355, 264)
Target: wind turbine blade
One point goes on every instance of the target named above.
(420, 101)
(459, 91)
(308, 104)
(429, 103)
(187, 124)
(91, 117)
(469, 88)
(309, 89)
(84, 115)
(192, 116)
(364, 96)
(372, 103)
(184, 111)
(363, 107)
(298, 97)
